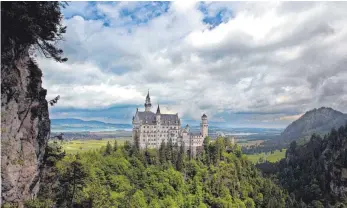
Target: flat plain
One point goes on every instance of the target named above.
(74, 146)
(268, 156)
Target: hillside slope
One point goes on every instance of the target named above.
(125, 176)
(316, 173)
(319, 121)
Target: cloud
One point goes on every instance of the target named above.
(291, 118)
(213, 57)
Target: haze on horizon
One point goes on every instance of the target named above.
(245, 64)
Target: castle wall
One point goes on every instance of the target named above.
(153, 135)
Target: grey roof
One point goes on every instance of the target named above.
(195, 134)
(145, 116)
(150, 117)
(169, 117)
(158, 109)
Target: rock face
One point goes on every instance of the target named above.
(319, 121)
(25, 128)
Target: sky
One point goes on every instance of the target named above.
(244, 64)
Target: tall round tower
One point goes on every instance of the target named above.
(204, 126)
(148, 104)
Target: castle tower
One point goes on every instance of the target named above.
(204, 126)
(157, 115)
(148, 104)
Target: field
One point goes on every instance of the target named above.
(276, 156)
(249, 142)
(75, 146)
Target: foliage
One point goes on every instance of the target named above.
(36, 203)
(314, 174)
(78, 146)
(273, 156)
(271, 145)
(36, 24)
(131, 177)
(54, 100)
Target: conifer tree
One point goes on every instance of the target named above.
(108, 149)
(32, 24)
(169, 151)
(180, 158)
(115, 146)
(206, 145)
(162, 149)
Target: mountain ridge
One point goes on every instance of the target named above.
(76, 120)
(319, 121)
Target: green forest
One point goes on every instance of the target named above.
(125, 176)
(311, 175)
(316, 173)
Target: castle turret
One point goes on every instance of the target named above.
(148, 104)
(157, 115)
(204, 126)
(187, 128)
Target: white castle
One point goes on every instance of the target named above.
(151, 129)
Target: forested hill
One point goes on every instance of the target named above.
(319, 121)
(314, 174)
(124, 176)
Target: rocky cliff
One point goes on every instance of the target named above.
(319, 121)
(25, 128)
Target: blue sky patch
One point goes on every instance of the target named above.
(223, 15)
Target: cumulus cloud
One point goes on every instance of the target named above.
(276, 57)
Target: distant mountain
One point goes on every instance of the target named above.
(72, 124)
(319, 121)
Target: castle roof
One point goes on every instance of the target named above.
(204, 116)
(148, 100)
(148, 117)
(195, 134)
(158, 109)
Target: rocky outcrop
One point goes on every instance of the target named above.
(319, 121)
(25, 128)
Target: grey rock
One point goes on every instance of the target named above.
(25, 128)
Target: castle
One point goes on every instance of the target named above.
(151, 129)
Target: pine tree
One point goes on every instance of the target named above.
(169, 151)
(115, 146)
(175, 153)
(108, 150)
(127, 147)
(206, 145)
(32, 24)
(72, 181)
(180, 158)
(162, 156)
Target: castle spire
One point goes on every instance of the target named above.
(148, 104)
(158, 109)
